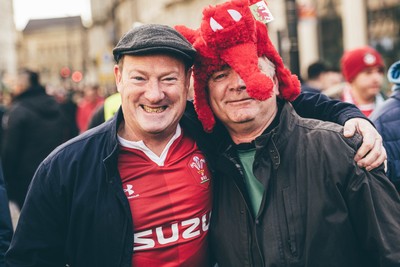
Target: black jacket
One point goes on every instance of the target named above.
(387, 121)
(76, 212)
(6, 229)
(33, 127)
(318, 209)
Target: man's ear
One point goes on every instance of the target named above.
(117, 76)
(276, 85)
(188, 77)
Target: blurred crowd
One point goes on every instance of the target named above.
(364, 80)
(35, 120)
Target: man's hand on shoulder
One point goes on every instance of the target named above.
(371, 154)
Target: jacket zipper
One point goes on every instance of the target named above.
(248, 210)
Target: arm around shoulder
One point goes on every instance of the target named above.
(319, 106)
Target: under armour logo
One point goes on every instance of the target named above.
(129, 191)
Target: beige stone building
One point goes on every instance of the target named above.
(8, 38)
(52, 45)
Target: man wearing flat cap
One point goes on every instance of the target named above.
(136, 190)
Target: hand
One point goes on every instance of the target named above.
(371, 154)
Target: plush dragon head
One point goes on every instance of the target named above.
(230, 35)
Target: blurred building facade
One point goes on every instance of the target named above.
(328, 27)
(8, 39)
(323, 30)
(56, 48)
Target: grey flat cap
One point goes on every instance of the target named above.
(149, 38)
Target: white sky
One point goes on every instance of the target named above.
(37, 9)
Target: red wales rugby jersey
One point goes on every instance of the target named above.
(170, 201)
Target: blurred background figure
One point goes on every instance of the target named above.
(66, 98)
(6, 229)
(106, 111)
(387, 121)
(32, 127)
(320, 77)
(363, 71)
(87, 106)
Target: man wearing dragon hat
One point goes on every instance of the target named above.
(287, 190)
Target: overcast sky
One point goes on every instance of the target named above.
(34, 9)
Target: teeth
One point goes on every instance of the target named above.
(154, 110)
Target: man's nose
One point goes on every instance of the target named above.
(154, 92)
(238, 83)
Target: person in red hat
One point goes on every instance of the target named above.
(287, 191)
(363, 68)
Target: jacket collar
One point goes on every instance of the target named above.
(287, 120)
(280, 133)
(189, 123)
(396, 94)
(111, 160)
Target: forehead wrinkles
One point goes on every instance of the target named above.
(162, 68)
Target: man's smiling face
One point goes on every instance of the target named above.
(230, 101)
(153, 90)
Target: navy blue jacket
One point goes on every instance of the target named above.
(387, 121)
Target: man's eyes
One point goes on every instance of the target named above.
(167, 79)
(220, 76)
(170, 79)
(137, 78)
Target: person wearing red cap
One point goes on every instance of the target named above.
(363, 68)
(287, 191)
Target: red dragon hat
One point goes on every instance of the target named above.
(229, 34)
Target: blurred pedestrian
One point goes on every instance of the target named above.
(387, 120)
(66, 98)
(363, 70)
(87, 106)
(320, 77)
(32, 127)
(6, 228)
(106, 111)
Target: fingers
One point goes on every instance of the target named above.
(368, 145)
(350, 128)
(375, 157)
(382, 158)
(371, 154)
